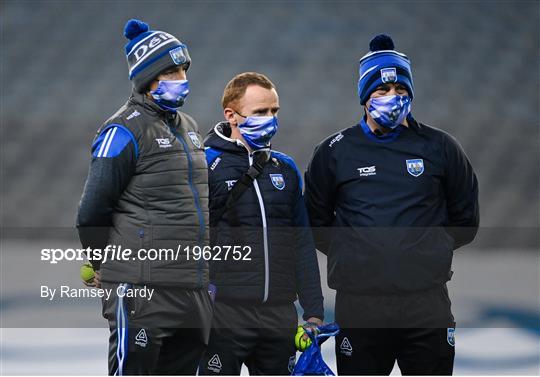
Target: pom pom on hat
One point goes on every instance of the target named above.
(381, 42)
(134, 28)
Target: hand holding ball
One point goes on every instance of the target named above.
(87, 273)
(299, 341)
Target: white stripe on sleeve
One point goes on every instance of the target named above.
(109, 142)
(104, 142)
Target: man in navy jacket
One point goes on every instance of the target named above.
(255, 318)
(390, 199)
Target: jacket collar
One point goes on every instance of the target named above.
(220, 138)
(151, 107)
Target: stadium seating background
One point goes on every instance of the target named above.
(476, 74)
(475, 67)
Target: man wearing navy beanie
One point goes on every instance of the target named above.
(383, 65)
(389, 200)
(147, 189)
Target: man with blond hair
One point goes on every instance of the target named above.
(256, 201)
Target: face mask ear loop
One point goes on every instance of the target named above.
(237, 113)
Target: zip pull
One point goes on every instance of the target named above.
(141, 233)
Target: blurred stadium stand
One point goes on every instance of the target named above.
(475, 67)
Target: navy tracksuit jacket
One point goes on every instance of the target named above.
(271, 218)
(389, 211)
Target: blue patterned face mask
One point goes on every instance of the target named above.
(389, 111)
(171, 94)
(257, 131)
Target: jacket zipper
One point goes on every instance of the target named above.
(265, 236)
(195, 196)
(141, 246)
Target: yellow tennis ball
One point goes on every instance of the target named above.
(87, 272)
(301, 343)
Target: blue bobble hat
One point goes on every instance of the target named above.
(383, 64)
(149, 52)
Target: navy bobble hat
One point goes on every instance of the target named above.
(383, 64)
(149, 52)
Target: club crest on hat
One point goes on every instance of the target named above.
(415, 167)
(278, 181)
(194, 139)
(450, 336)
(388, 75)
(178, 55)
